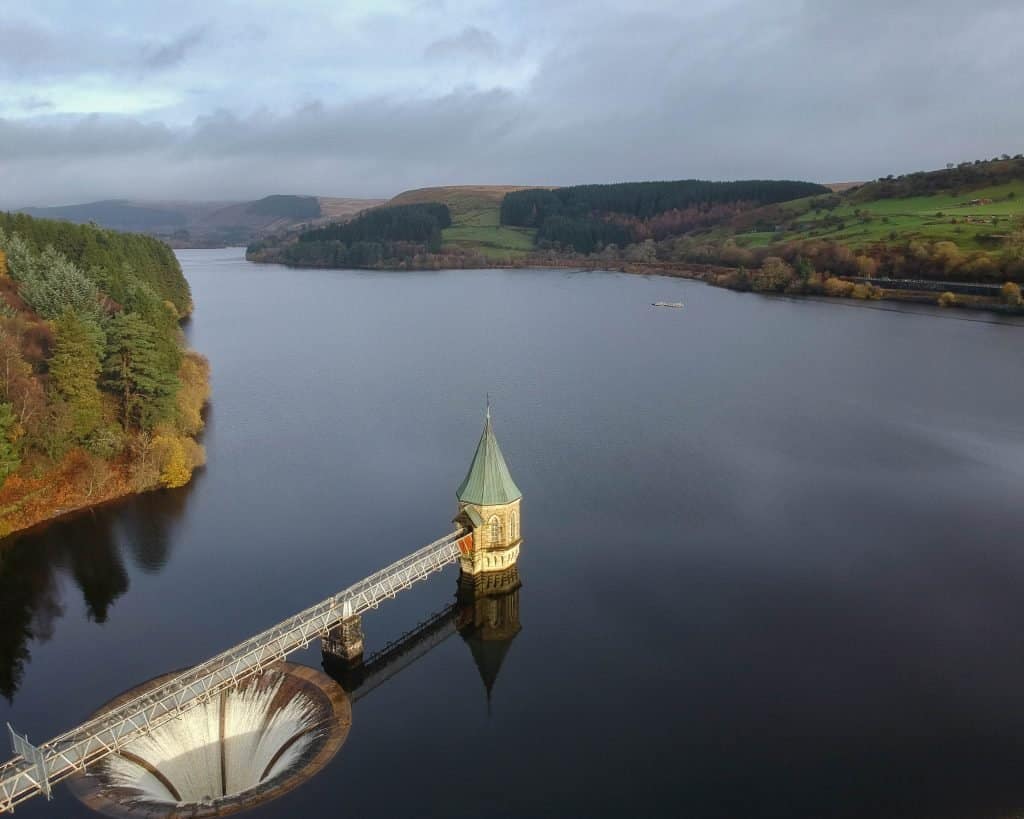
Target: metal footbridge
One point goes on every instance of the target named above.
(35, 769)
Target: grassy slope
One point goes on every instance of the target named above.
(908, 218)
(475, 219)
(334, 209)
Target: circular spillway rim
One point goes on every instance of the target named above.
(90, 790)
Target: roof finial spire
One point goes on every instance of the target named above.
(488, 483)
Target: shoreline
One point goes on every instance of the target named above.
(68, 513)
(705, 273)
(80, 482)
(47, 513)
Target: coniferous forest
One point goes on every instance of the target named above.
(586, 217)
(98, 396)
(379, 237)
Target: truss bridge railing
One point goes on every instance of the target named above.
(36, 769)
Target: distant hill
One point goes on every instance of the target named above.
(116, 215)
(199, 224)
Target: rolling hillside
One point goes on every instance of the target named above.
(187, 224)
(958, 224)
(973, 219)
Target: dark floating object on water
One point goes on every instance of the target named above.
(676, 304)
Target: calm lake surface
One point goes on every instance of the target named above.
(773, 562)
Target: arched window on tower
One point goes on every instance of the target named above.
(495, 524)
(513, 526)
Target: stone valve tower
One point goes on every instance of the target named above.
(489, 507)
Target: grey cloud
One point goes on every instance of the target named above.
(27, 47)
(172, 53)
(725, 89)
(33, 51)
(471, 42)
(80, 138)
(34, 103)
(381, 128)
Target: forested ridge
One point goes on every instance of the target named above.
(98, 396)
(588, 217)
(103, 254)
(383, 236)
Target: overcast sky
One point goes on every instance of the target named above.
(225, 100)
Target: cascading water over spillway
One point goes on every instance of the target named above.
(244, 747)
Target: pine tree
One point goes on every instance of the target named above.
(135, 370)
(74, 369)
(9, 458)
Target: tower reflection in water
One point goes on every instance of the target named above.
(488, 619)
(485, 614)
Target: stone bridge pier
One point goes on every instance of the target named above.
(345, 641)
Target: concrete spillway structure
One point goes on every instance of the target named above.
(244, 747)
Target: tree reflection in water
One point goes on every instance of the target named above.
(90, 548)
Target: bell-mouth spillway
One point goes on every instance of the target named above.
(244, 747)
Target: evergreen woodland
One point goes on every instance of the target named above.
(98, 396)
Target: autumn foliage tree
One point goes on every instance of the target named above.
(194, 375)
(175, 470)
(19, 386)
(774, 277)
(1013, 251)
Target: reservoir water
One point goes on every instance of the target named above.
(773, 562)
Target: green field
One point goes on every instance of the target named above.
(480, 230)
(942, 217)
(476, 225)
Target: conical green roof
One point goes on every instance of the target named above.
(488, 482)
